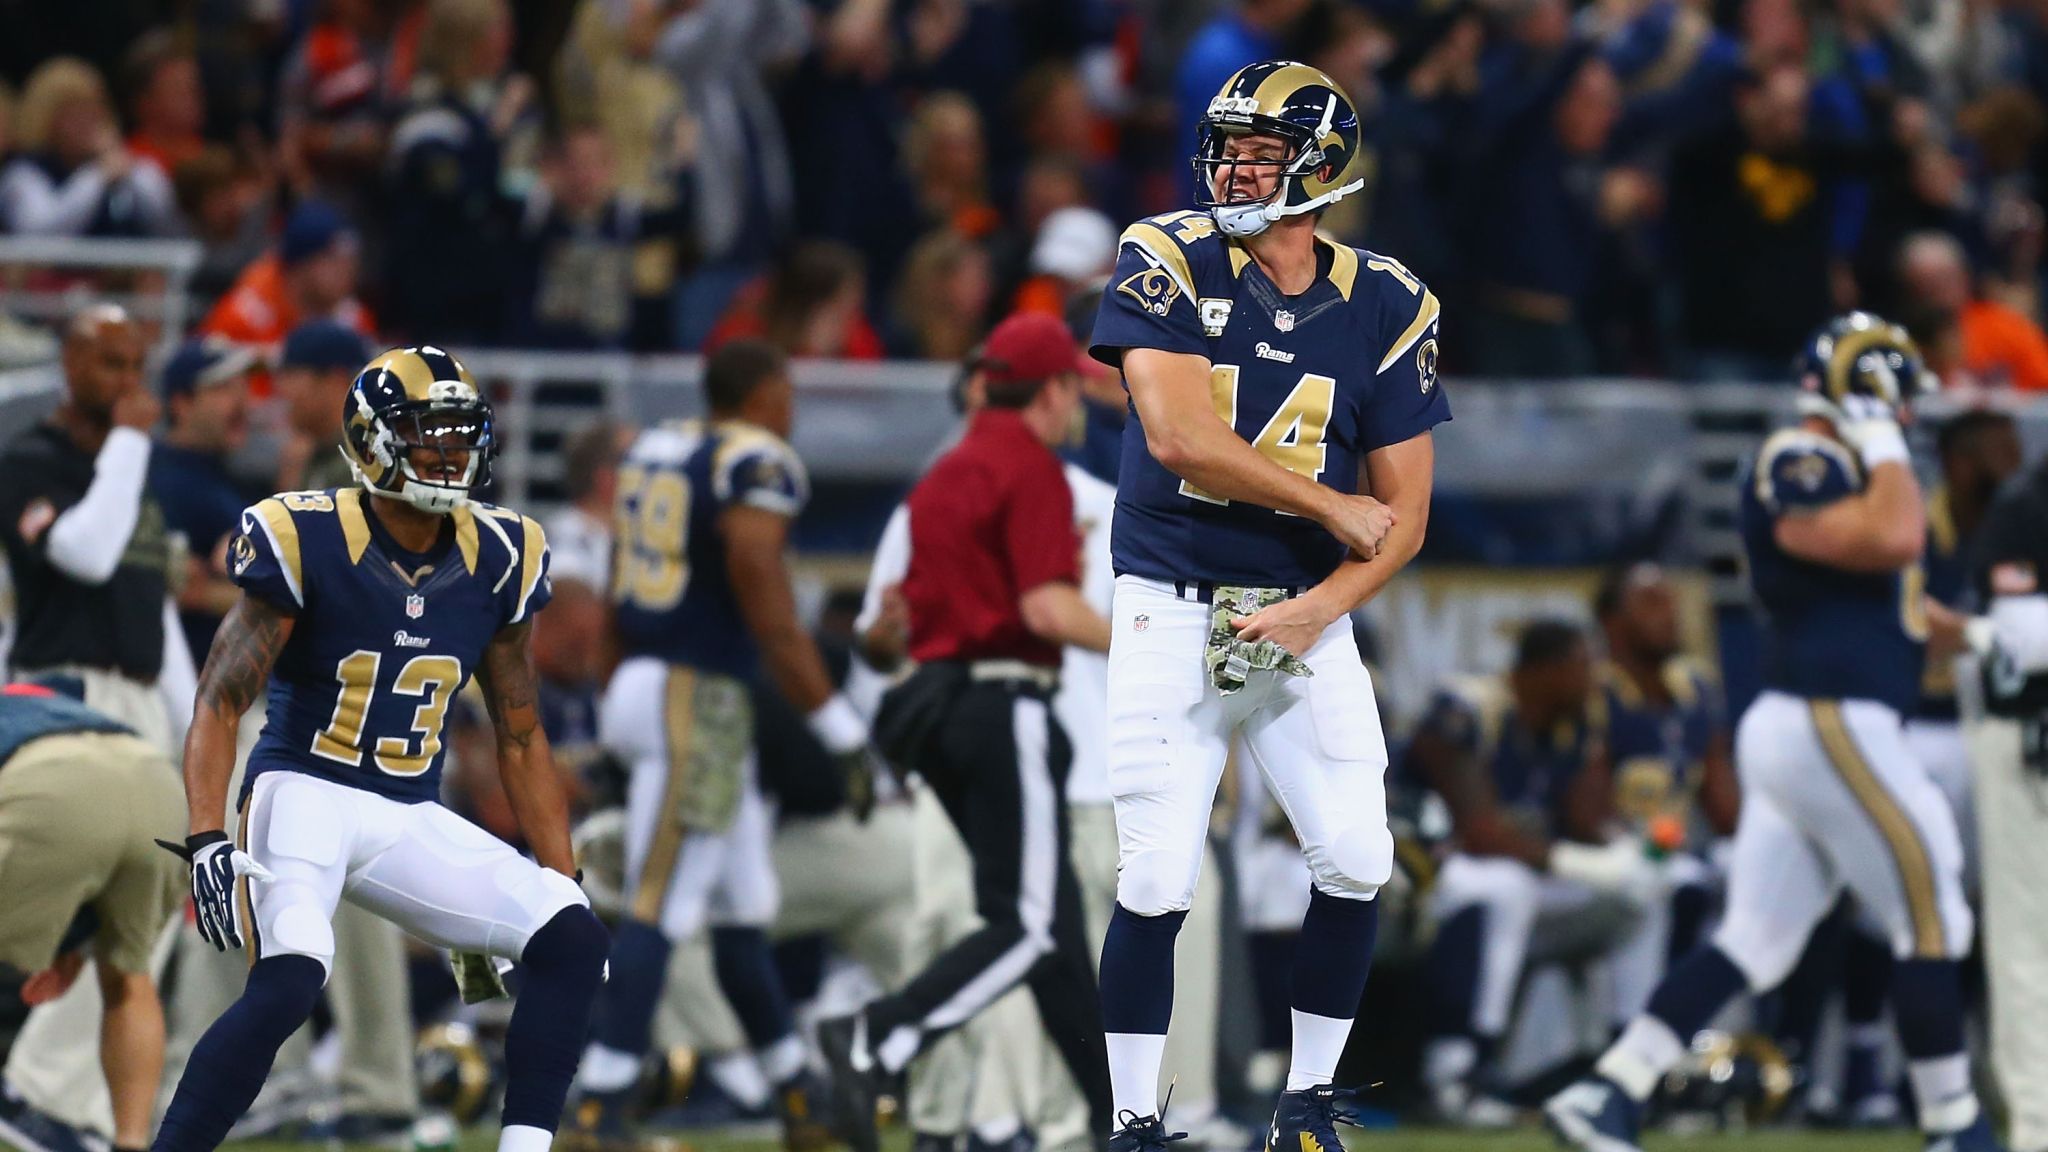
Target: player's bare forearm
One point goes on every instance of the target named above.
(1880, 529)
(1589, 800)
(1481, 827)
(755, 541)
(237, 667)
(525, 762)
(1720, 794)
(1183, 432)
(1401, 476)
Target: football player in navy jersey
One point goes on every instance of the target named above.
(1275, 475)
(364, 610)
(703, 608)
(1833, 524)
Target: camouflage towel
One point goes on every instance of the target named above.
(1231, 661)
(478, 976)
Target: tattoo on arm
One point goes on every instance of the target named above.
(239, 662)
(508, 683)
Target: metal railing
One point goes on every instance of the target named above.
(158, 271)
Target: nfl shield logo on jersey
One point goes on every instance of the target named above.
(1283, 320)
(415, 606)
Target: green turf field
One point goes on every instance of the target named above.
(483, 1140)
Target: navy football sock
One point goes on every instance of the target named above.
(625, 1016)
(1137, 1003)
(1451, 978)
(564, 967)
(231, 1061)
(1692, 992)
(1330, 967)
(751, 983)
(1927, 1007)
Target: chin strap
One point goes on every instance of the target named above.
(1241, 220)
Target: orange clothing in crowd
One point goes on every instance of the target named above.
(1041, 293)
(167, 152)
(258, 312)
(2001, 343)
(743, 321)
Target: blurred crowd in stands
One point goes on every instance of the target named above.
(1642, 187)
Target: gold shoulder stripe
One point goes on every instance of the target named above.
(1164, 252)
(1238, 258)
(355, 530)
(532, 547)
(284, 543)
(1425, 319)
(1343, 267)
(465, 536)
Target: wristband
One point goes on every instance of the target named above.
(838, 726)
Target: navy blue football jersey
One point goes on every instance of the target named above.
(383, 638)
(1948, 580)
(670, 582)
(1531, 770)
(1314, 381)
(1829, 633)
(1659, 751)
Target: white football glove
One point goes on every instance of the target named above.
(1621, 866)
(216, 863)
(1871, 426)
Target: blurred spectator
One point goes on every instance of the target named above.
(1992, 345)
(226, 207)
(205, 387)
(606, 76)
(318, 361)
(72, 176)
(947, 158)
(814, 303)
(1055, 118)
(1075, 249)
(1241, 33)
(580, 534)
(450, 222)
(340, 83)
(574, 282)
(719, 51)
(942, 298)
(166, 105)
(1751, 229)
(1545, 195)
(311, 275)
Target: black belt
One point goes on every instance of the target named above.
(1205, 590)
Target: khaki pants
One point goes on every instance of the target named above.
(2013, 839)
(71, 788)
(865, 909)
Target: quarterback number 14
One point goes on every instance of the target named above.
(1293, 438)
(434, 677)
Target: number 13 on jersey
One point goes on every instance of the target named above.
(1293, 438)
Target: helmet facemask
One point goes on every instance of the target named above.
(428, 453)
(1304, 158)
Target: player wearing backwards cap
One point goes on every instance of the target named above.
(1275, 475)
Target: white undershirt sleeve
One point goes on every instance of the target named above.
(178, 682)
(86, 542)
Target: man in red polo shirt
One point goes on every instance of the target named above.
(993, 595)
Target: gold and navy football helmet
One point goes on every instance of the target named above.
(1300, 105)
(412, 401)
(1860, 354)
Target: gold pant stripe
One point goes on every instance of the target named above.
(1909, 855)
(252, 948)
(676, 717)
